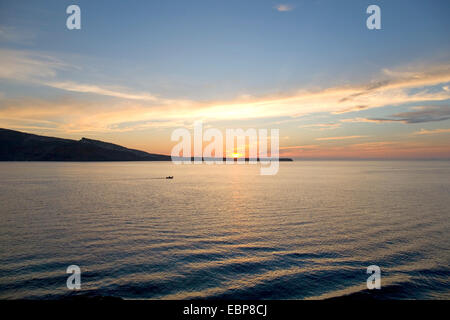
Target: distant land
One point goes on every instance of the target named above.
(21, 146)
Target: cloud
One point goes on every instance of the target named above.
(284, 7)
(340, 138)
(43, 69)
(422, 115)
(131, 107)
(435, 131)
(399, 79)
(376, 145)
(68, 114)
(425, 114)
(356, 120)
(373, 150)
(322, 126)
(28, 66)
(351, 109)
(112, 92)
(300, 147)
(11, 34)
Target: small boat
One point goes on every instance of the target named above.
(169, 177)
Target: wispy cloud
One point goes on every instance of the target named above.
(423, 114)
(376, 145)
(321, 126)
(11, 34)
(284, 7)
(94, 89)
(29, 66)
(435, 131)
(42, 69)
(311, 146)
(340, 138)
(356, 120)
(372, 150)
(133, 107)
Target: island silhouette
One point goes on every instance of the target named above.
(21, 146)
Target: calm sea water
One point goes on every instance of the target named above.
(224, 231)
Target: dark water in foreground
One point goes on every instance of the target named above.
(225, 231)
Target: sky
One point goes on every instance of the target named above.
(137, 70)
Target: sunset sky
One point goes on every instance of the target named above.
(137, 70)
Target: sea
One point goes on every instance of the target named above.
(224, 231)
